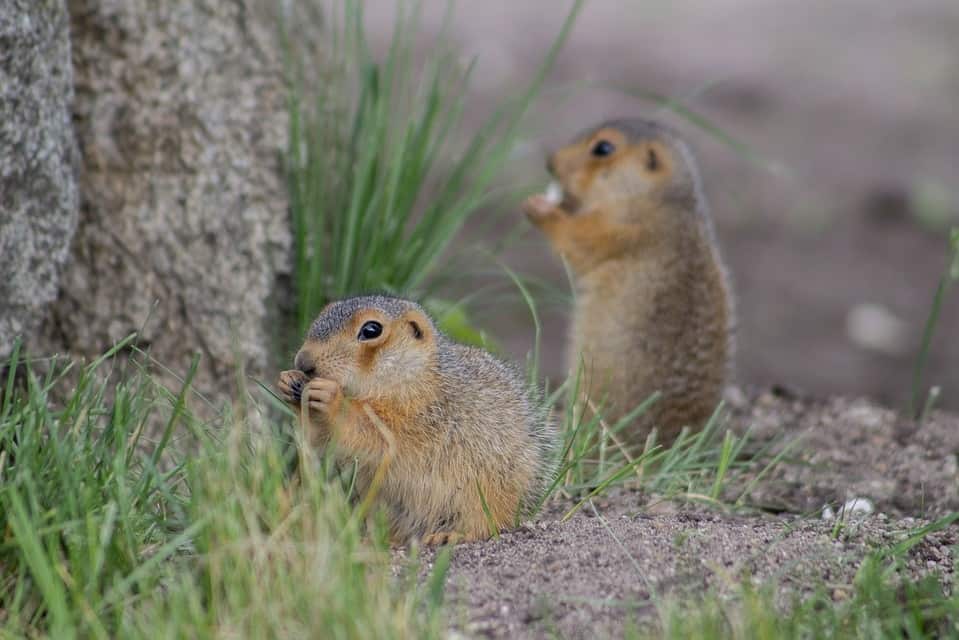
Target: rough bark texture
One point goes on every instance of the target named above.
(183, 232)
(38, 191)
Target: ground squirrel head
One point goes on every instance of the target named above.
(630, 162)
(373, 346)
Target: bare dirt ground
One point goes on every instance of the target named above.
(606, 569)
(592, 577)
(844, 449)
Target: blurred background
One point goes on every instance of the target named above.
(834, 221)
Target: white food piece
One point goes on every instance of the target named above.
(554, 193)
(857, 507)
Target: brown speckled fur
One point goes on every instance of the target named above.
(457, 420)
(653, 308)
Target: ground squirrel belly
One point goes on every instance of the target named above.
(653, 308)
(380, 381)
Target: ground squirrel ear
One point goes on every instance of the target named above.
(418, 324)
(417, 332)
(652, 159)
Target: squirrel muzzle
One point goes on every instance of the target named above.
(305, 363)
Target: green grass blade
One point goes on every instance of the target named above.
(950, 277)
(38, 560)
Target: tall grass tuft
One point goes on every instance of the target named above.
(378, 184)
(105, 535)
(78, 503)
(709, 465)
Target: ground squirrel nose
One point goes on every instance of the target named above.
(551, 164)
(304, 363)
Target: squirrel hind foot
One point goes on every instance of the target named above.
(440, 538)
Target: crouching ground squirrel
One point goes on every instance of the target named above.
(653, 309)
(462, 443)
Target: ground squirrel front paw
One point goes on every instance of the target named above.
(290, 385)
(539, 209)
(324, 396)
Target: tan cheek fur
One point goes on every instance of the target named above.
(623, 184)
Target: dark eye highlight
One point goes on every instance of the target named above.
(370, 330)
(603, 148)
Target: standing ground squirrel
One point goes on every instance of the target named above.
(449, 426)
(653, 309)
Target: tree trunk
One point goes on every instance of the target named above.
(38, 190)
(181, 119)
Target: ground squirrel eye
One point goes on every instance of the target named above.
(603, 148)
(370, 330)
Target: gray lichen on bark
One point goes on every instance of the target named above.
(38, 190)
